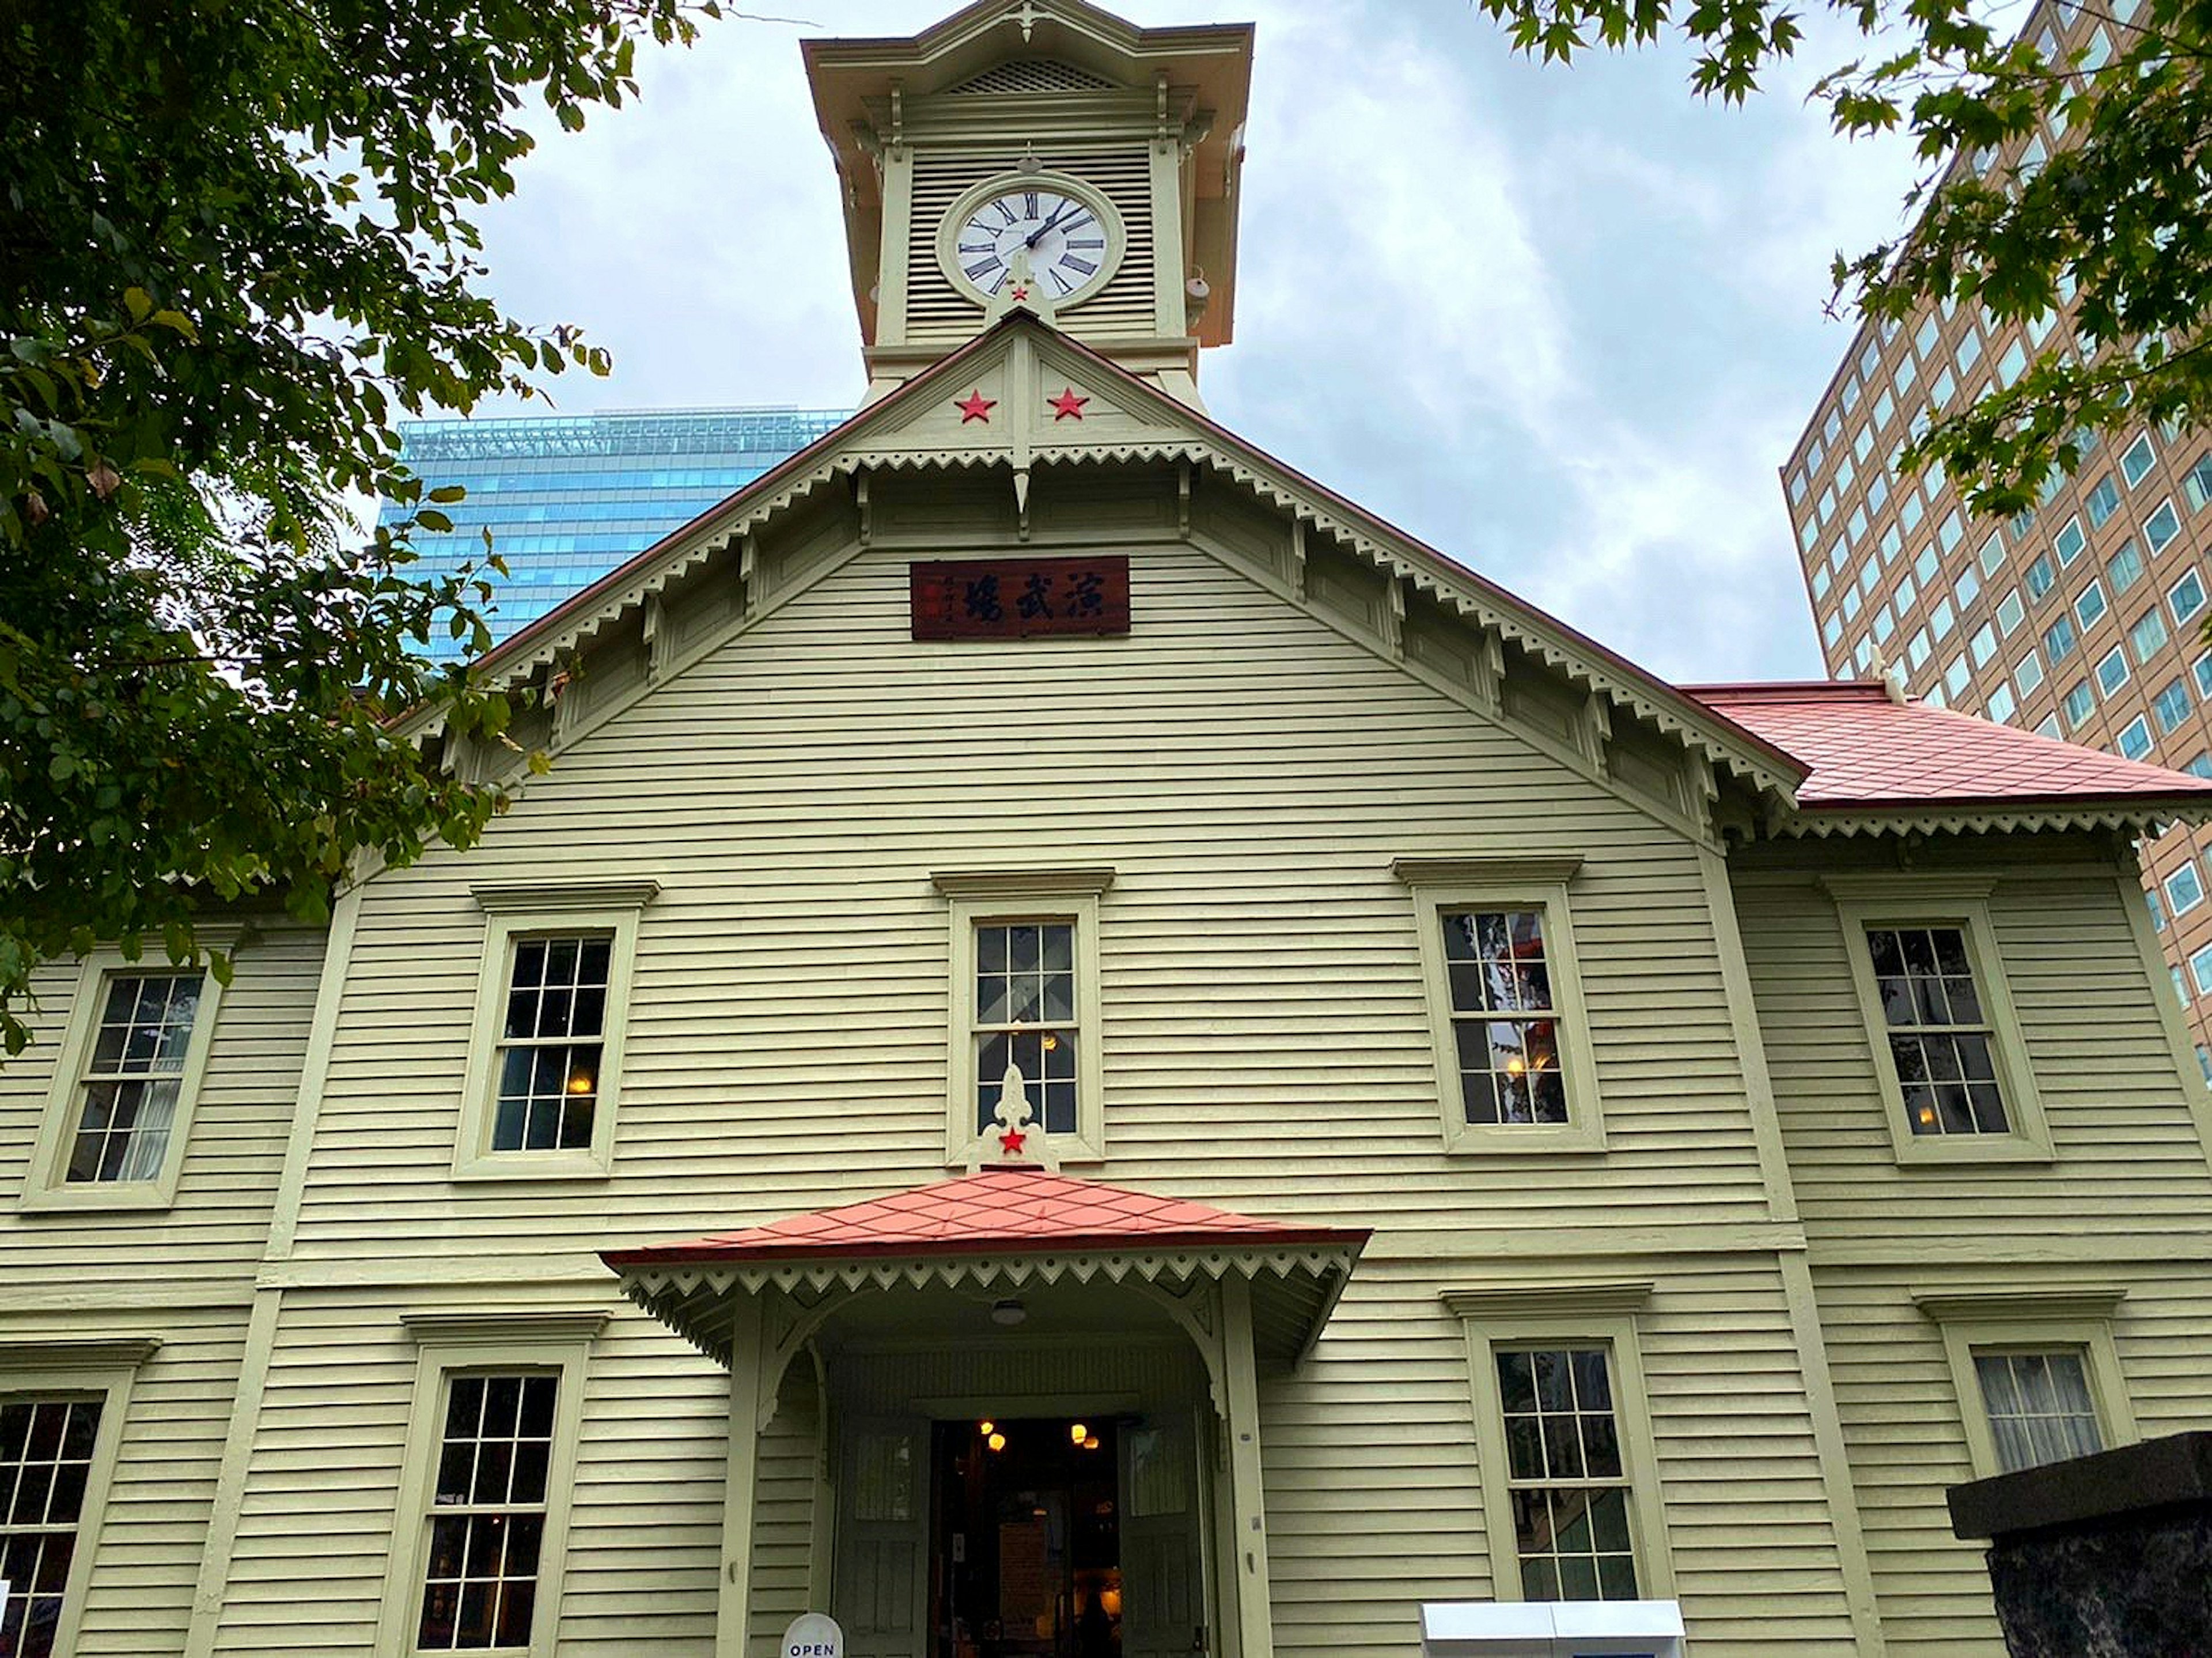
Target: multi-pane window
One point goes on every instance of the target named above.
(487, 1512)
(46, 1462)
(2039, 1406)
(2042, 576)
(2148, 634)
(1567, 1479)
(1957, 676)
(2102, 502)
(2172, 705)
(1505, 1025)
(551, 1044)
(2124, 566)
(2079, 702)
(132, 1077)
(1941, 1037)
(2059, 639)
(2198, 486)
(1984, 644)
(1026, 1017)
(2002, 704)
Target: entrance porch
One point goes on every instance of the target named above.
(928, 1359)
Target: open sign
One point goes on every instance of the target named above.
(813, 1635)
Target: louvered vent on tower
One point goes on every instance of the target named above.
(1034, 75)
(938, 313)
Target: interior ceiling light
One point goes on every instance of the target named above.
(1008, 1311)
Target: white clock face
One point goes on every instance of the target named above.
(1062, 239)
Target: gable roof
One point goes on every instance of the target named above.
(988, 1213)
(908, 429)
(1869, 753)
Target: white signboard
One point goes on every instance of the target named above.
(813, 1635)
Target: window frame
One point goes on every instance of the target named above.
(46, 1185)
(985, 897)
(447, 1344)
(1438, 885)
(2079, 1319)
(1536, 1314)
(74, 1367)
(514, 913)
(1891, 901)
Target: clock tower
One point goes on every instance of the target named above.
(1042, 154)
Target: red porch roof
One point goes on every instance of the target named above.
(998, 1210)
(1868, 752)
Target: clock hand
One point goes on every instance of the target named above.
(1065, 208)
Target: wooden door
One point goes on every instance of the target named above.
(1163, 1579)
(881, 1590)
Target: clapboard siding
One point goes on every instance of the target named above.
(138, 1595)
(2129, 1159)
(1248, 773)
(219, 1225)
(320, 1502)
(1903, 1423)
(1373, 1496)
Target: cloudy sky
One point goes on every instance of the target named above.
(1563, 324)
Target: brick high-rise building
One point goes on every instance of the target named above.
(2083, 618)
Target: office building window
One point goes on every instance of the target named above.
(2148, 634)
(1992, 553)
(1983, 645)
(2059, 639)
(2198, 486)
(2135, 460)
(2012, 364)
(2186, 596)
(2089, 603)
(2158, 919)
(2200, 970)
(1940, 619)
(2112, 672)
(2068, 542)
(2010, 612)
(2123, 567)
(2079, 704)
(2042, 576)
(2161, 526)
(1956, 678)
(2028, 672)
(2102, 502)
(2001, 704)
(2134, 740)
(2171, 707)
(2184, 890)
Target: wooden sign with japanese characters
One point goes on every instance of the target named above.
(1020, 597)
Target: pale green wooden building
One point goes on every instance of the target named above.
(1087, 1051)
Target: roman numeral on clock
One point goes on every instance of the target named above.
(981, 268)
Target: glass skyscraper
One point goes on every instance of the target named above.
(569, 497)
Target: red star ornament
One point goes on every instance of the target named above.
(1066, 406)
(976, 406)
(1012, 1142)
(1021, 291)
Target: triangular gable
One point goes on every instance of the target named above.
(1003, 401)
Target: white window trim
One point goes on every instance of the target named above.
(980, 897)
(2173, 907)
(104, 1366)
(514, 912)
(1535, 1314)
(449, 1343)
(1937, 901)
(1438, 884)
(2077, 1317)
(45, 1187)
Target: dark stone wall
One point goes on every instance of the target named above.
(2126, 1587)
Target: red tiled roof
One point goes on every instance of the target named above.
(1868, 751)
(999, 1209)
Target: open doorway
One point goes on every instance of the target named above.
(1025, 1544)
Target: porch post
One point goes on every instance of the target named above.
(1248, 1565)
(736, 1590)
